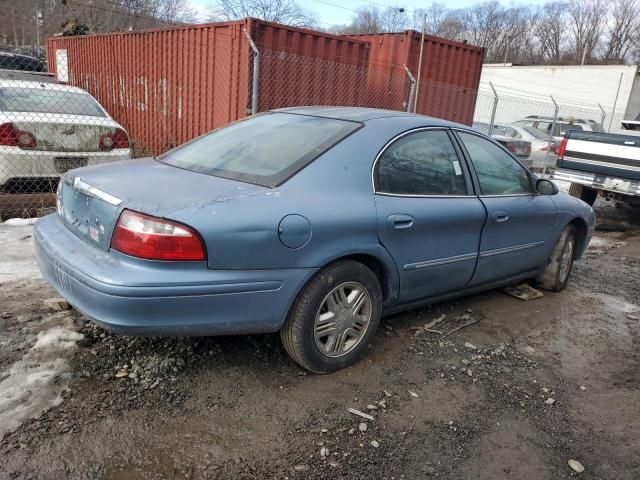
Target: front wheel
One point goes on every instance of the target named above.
(557, 271)
(334, 317)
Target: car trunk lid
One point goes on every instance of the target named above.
(91, 199)
(65, 133)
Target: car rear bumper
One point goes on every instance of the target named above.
(150, 298)
(599, 182)
(17, 163)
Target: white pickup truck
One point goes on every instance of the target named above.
(600, 164)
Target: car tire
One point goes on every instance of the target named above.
(586, 194)
(324, 300)
(557, 271)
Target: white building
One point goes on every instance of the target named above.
(581, 91)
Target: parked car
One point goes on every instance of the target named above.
(311, 221)
(562, 125)
(15, 61)
(507, 137)
(47, 129)
(543, 147)
(600, 164)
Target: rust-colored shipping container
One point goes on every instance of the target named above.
(306, 67)
(167, 86)
(445, 65)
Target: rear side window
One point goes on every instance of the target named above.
(47, 100)
(421, 163)
(265, 150)
(534, 132)
(498, 173)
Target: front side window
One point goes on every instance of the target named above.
(498, 173)
(265, 150)
(421, 163)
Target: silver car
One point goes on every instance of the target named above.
(542, 145)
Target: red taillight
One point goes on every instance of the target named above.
(10, 136)
(117, 139)
(549, 148)
(562, 148)
(153, 238)
(511, 147)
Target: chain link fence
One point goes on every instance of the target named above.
(511, 117)
(51, 124)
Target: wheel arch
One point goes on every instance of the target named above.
(581, 235)
(378, 261)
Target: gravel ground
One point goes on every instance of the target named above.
(518, 393)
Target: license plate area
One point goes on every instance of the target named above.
(615, 184)
(64, 164)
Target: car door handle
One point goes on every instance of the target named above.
(400, 221)
(500, 216)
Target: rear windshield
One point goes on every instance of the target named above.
(47, 100)
(265, 150)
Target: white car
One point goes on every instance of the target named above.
(47, 129)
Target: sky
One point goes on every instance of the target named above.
(337, 12)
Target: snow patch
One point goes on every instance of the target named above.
(601, 244)
(17, 254)
(35, 383)
(20, 222)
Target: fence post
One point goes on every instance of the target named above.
(602, 119)
(493, 111)
(553, 129)
(412, 92)
(256, 74)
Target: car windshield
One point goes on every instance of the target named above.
(41, 100)
(265, 150)
(539, 134)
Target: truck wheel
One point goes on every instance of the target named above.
(586, 194)
(557, 271)
(334, 317)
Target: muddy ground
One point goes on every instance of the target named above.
(549, 380)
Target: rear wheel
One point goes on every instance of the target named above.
(556, 273)
(586, 194)
(334, 317)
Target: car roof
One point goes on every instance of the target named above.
(44, 83)
(361, 114)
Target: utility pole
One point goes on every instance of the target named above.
(37, 20)
(424, 27)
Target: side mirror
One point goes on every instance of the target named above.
(546, 187)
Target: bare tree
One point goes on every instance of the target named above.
(586, 23)
(483, 23)
(432, 17)
(281, 11)
(623, 30)
(550, 31)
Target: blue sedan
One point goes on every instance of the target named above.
(311, 221)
